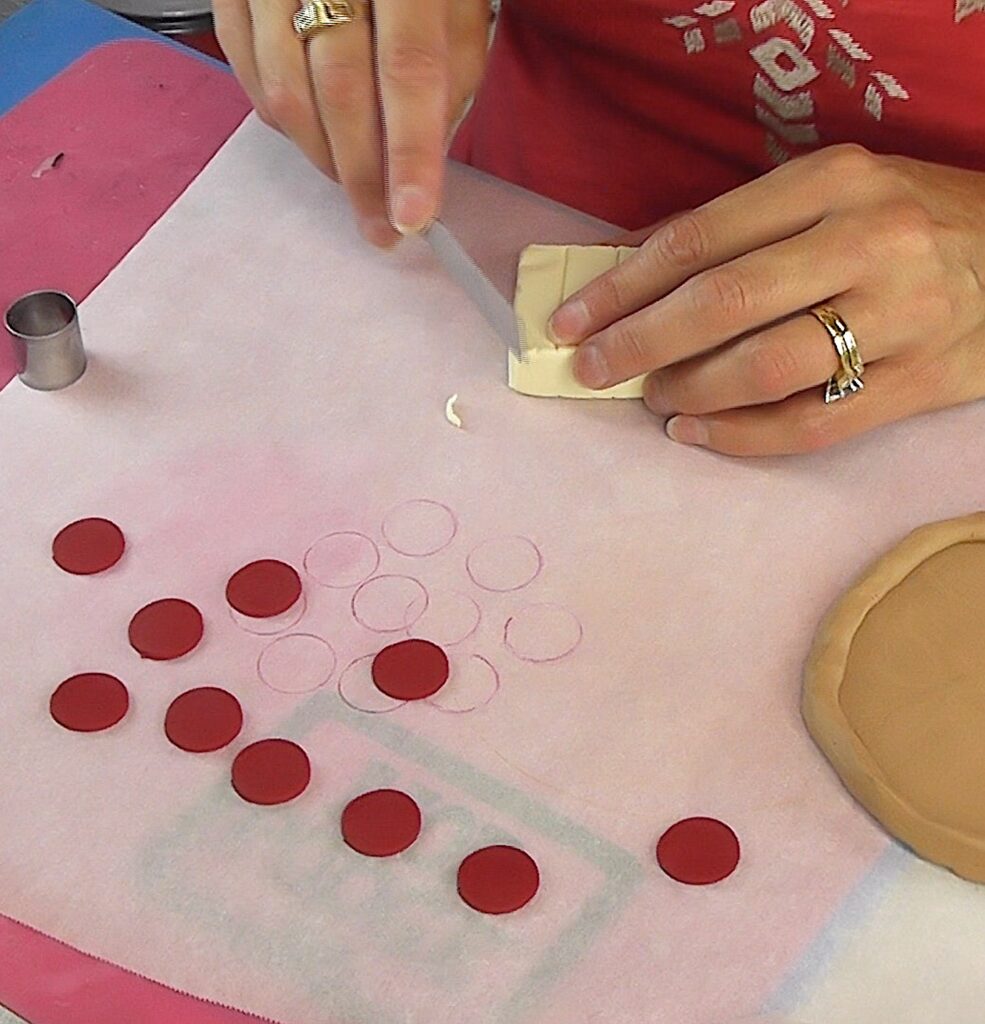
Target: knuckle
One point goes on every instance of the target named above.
(910, 230)
(682, 243)
(845, 163)
(772, 370)
(936, 311)
(339, 85)
(630, 349)
(405, 154)
(815, 433)
(689, 401)
(857, 250)
(932, 378)
(265, 117)
(737, 444)
(363, 188)
(848, 170)
(668, 392)
(282, 105)
(725, 293)
(409, 64)
(608, 292)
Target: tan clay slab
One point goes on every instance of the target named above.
(894, 692)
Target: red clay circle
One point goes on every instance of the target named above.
(410, 669)
(271, 772)
(498, 879)
(203, 719)
(89, 702)
(88, 546)
(381, 823)
(166, 629)
(263, 589)
(698, 851)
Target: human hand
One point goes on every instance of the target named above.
(370, 103)
(714, 305)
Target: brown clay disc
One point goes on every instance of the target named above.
(894, 692)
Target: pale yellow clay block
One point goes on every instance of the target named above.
(546, 276)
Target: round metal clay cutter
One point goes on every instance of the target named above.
(169, 17)
(47, 339)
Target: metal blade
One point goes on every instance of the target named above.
(463, 269)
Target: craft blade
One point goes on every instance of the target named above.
(467, 274)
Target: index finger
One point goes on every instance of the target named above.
(413, 77)
(774, 207)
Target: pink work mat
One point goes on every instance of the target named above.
(47, 982)
(136, 121)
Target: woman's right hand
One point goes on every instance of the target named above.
(370, 103)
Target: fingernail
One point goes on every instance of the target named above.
(591, 367)
(687, 430)
(411, 209)
(379, 231)
(568, 323)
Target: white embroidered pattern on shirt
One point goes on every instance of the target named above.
(784, 104)
(891, 85)
(820, 8)
(681, 20)
(771, 12)
(714, 8)
(788, 105)
(876, 92)
(849, 45)
(842, 65)
(694, 40)
(962, 8)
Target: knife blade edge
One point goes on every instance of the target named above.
(467, 274)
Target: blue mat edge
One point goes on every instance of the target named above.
(43, 38)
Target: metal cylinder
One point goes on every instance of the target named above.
(47, 340)
(169, 17)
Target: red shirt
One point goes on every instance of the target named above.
(634, 109)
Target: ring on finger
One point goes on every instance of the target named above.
(848, 379)
(317, 14)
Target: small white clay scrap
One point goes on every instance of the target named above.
(48, 164)
(453, 418)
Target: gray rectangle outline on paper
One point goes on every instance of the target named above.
(622, 871)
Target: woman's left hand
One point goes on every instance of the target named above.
(715, 304)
